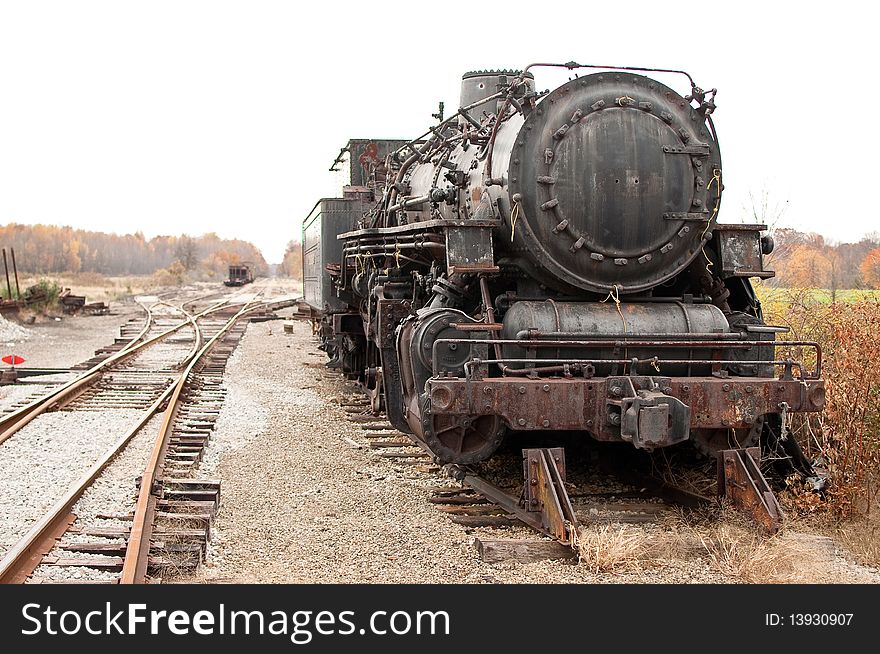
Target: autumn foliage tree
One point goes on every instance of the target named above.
(810, 261)
(870, 269)
(46, 249)
(291, 265)
(806, 267)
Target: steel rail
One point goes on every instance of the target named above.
(197, 341)
(136, 562)
(11, 423)
(21, 560)
(15, 420)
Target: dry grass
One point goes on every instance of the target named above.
(861, 539)
(746, 555)
(612, 548)
(616, 548)
(97, 287)
(728, 544)
(846, 436)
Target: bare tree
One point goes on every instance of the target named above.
(765, 211)
(187, 252)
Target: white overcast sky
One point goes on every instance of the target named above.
(195, 116)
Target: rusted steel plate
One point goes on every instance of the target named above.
(740, 480)
(544, 492)
(583, 404)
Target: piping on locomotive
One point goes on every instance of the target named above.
(554, 261)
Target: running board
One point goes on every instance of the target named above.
(740, 480)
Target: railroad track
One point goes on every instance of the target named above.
(171, 368)
(126, 357)
(612, 491)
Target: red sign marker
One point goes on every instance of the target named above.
(13, 360)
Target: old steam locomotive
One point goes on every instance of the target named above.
(553, 261)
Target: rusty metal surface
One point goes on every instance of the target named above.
(240, 274)
(19, 565)
(740, 480)
(544, 493)
(502, 499)
(740, 250)
(320, 248)
(614, 350)
(609, 184)
(610, 168)
(593, 323)
(389, 314)
(134, 569)
(583, 404)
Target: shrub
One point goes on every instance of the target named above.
(173, 275)
(847, 434)
(46, 290)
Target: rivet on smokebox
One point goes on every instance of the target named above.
(546, 423)
(522, 422)
(522, 390)
(546, 388)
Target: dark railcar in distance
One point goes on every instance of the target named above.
(240, 274)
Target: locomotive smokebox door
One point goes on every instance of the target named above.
(612, 171)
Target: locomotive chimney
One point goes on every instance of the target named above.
(479, 84)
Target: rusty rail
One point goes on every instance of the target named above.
(741, 481)
(135, 566)
(21, 560)
(544, 504)
(11, 423)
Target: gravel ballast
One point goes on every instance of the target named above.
(114, 492)
(42, 460)
(66, 342)
(300, 504)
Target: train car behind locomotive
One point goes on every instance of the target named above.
(240, 274)
(554, 261)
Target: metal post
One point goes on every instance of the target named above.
(6, 267)
(15, 272)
